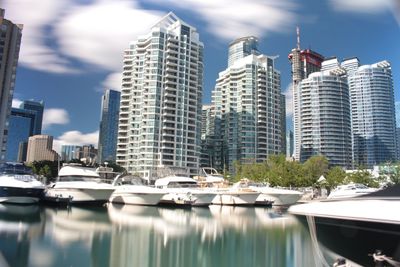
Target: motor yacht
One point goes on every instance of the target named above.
(210, 175)
(182, 189)
(276, 196)
(131, 190)
(350, 190)
(18, 184)
(78, 185)
(369, 222)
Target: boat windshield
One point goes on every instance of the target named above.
(182, 184)
(15, 168)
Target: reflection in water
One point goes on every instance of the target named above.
(129, 235)
(18, 225)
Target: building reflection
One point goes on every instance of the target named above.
(119, 235)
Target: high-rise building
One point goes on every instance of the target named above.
(37, 107)
(40, 147)
(211, 151)
(325, 126)
(247, 99)
(304, 62)
(373, 112)
(23, 122)
(397, 108)
(160, 110)
(20, 127)
(289, 144)
(241, 48)
(69, 152)
(108, 132)
(283, 124)
(10, 40)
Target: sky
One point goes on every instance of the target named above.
(72, 50)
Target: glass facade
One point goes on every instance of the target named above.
(241, 48)
(21, 126)
(38, 108)
(108, 133)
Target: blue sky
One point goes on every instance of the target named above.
(72, 49)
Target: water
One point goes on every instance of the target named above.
(151, 236)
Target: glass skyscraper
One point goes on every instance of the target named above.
(161, 95)
(20, 127)
(37, 107)
(10, 40)
(247, 100)
(373, 112)
(24, 122)
(108, 133)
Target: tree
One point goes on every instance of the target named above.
(334, 177)
(314, 167)
(362, 177)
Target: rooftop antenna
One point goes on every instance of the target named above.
(298, 37)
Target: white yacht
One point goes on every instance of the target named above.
(130, 190)
(78, 184)
(276, 196)
(18, 184)
(350, 190)
(183, 190)
(368, 222)
(210, 175)
(235, 196)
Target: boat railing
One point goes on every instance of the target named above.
(84, 179)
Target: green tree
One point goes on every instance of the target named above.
(362, 176)
(334, 177)
(314, 167)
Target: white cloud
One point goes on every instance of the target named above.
(289, 100)
(100, 32)
(16, 102)
(35, 16)
(112, 81)
(363, 6)
(229, 19)
(75, 138)
(54, 116)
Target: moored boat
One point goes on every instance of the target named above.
(78, 185)
(130, 190)
(18, 184)
(369, 222)
(183, 190)
(350, 190)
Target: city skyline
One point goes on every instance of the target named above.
(70, 81)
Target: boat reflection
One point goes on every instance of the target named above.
(18, 225)
(74, 224)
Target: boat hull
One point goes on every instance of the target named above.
(235, 198)
(202, 199)
(342, 236)
(79, 195)
(18, 195)
(136, 198)
(176, 199)
(278, 199)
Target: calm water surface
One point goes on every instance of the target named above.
(151, 236)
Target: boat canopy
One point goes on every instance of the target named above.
(78, 171)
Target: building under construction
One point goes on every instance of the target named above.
(303, 63)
